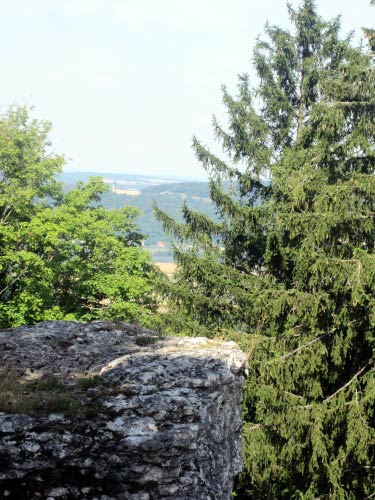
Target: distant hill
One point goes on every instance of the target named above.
(169, 194)
(170, 198)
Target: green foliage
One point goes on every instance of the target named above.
(291, 265)
(61, 254)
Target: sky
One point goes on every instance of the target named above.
(127, 83)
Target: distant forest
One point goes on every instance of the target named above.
(169, 197)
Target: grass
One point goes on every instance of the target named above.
(88, 382)
(47, 383)
(43, 396)
(146, 340)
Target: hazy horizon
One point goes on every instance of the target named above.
(108, 173)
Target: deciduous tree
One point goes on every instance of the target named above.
(61, 254)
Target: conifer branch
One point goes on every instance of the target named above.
(301, 347)
(316, 339)
(254, 427)
(368, 467)
(348, 104)
(294, 395)
(359, 372)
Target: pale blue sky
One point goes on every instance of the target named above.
(126, 83)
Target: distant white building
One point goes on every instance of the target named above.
(129, 192)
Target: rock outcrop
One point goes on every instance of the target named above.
(107, 410)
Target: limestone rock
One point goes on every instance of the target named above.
(107, 410)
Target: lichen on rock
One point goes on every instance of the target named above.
(91, 411)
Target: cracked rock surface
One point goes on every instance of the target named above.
(128, 415)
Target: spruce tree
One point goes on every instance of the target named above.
(291, 266)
